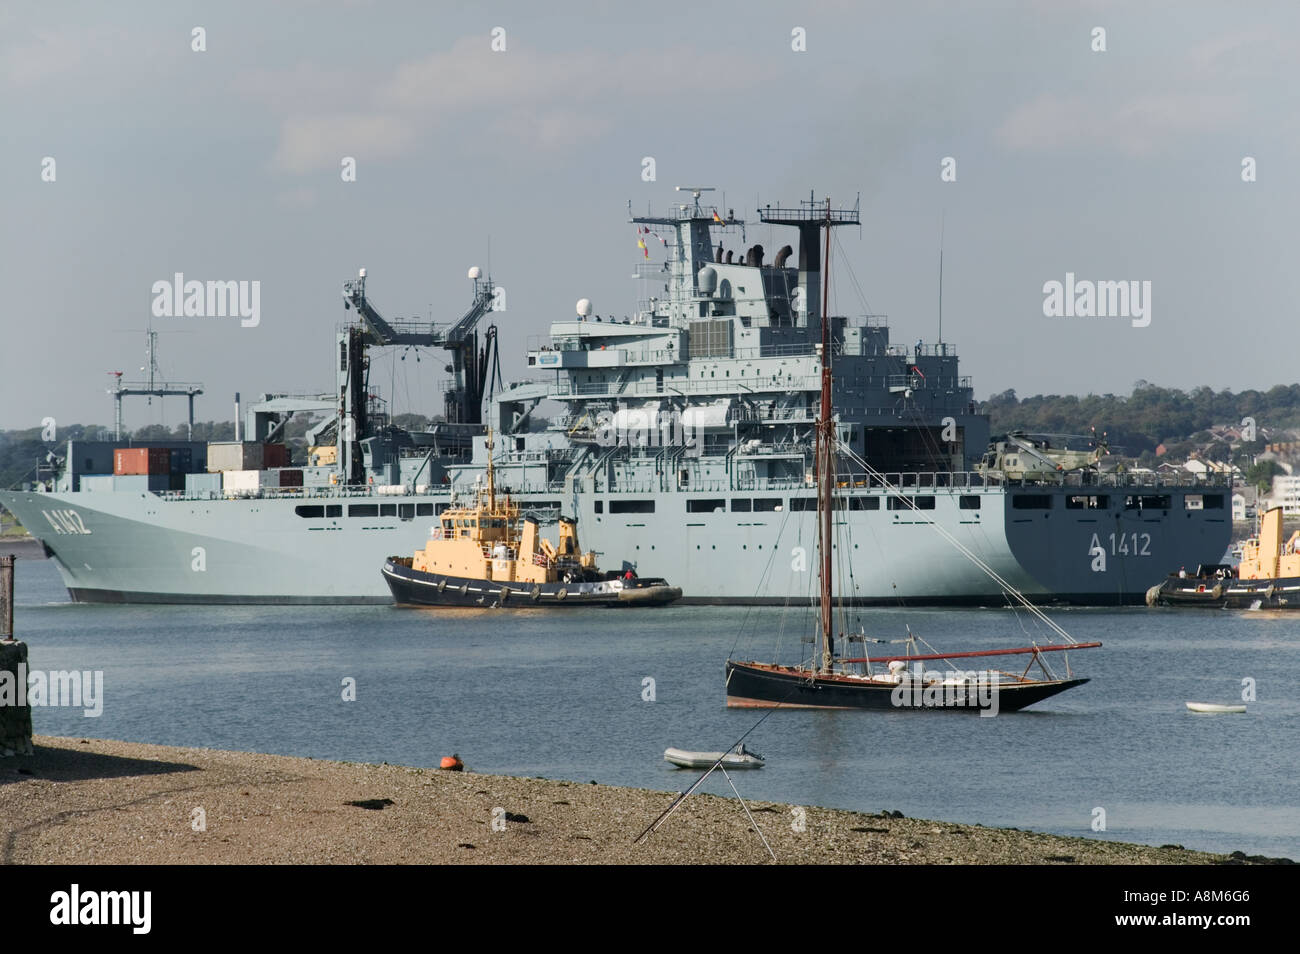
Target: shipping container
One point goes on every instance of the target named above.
(90, 457)
(141, 483)
(323, 455)
(182, 461)
(240, 481)
(230, 455)
(203, 483)
(290, 478)
(97, 483)
(275, 455)
(141, 460)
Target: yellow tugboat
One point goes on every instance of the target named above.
(481, 555)
(1268, 576)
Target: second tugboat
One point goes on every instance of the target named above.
(475, 557)
(1268, 576)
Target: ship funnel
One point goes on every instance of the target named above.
(781, 256)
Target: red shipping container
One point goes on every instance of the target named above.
(275, 455)
(141, 460)
(290, 478)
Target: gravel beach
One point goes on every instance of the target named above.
(89, 801)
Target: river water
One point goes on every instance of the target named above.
(567, 695)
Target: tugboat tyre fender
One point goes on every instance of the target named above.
(1217, 592)
(1270, 591)
(537, 593)
(442, 585)
(1153, 596)
(564, 591)
(504, 595)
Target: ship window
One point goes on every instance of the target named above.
(1147, 502)
(864, 503)
(767, 504)
(741, 505)
(969, 502)
(406, 511)
(333, 510)
(600, 506)
(920, 502)
(1031, 502)
(439, 508)
(1214, 501)
(1087, 502)
(363, 510)
(309, 511)
(706, 505)
(424, 510)
(388, 510)
(803, 503)
(631, 506)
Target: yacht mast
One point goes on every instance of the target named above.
(825, 459)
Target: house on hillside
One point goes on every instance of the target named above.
(1204, 467)
(1286, 494)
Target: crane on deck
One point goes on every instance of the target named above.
(472, 366)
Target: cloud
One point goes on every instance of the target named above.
(48, 55)
(308, 143)
(552, 101)
(1136, 126)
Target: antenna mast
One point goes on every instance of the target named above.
(941, 218)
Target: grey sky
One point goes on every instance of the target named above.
(225, 165)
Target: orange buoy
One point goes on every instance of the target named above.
(452, 763)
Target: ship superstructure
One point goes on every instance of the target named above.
(680, 438)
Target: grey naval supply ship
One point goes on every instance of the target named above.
(684, 449)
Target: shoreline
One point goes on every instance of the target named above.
(22, 547)
(91, 801)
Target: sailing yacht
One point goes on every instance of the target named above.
(834, 680)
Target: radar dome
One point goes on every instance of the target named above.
(708, 280)
(584, 307)
(475, 271)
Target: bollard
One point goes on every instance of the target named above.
(6, 597)
(15, 711)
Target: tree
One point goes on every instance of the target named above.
(1260, 475)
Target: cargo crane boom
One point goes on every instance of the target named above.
(462, 403)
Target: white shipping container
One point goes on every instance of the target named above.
(97, 483)
(241, 481)
(228, 455)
